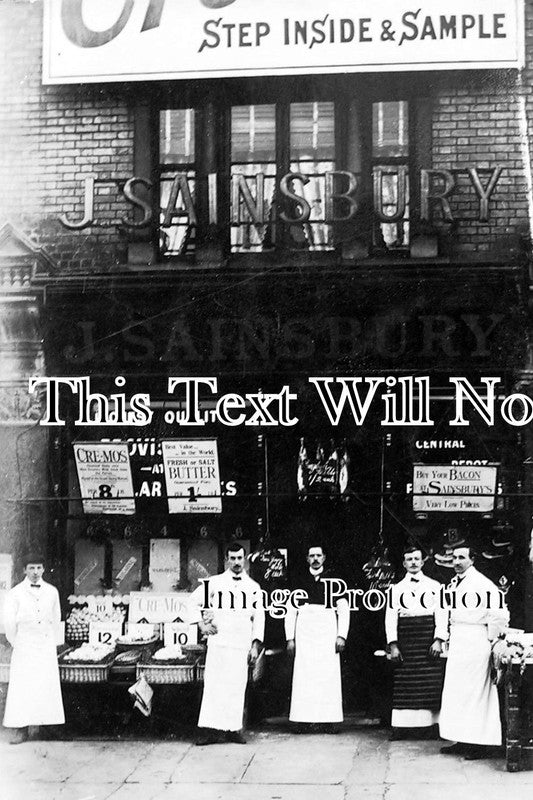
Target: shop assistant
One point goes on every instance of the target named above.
(415, 631)
(316, 635)
(234, 624)
(470, 713)
(32, 616)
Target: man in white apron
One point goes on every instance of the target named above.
(229, 609)
(32, 615)
(316, 636)
(470, 712)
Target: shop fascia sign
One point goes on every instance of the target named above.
(128, 40)
(250, 204)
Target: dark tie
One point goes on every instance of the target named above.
(415, 580)
(35, 585)
(236, 577)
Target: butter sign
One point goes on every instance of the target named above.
(153, 607)
(454, 488)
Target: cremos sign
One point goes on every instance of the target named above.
(128, 40)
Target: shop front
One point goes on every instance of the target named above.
(277, 305)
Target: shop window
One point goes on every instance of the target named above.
(312, 150)
(390, 172)
(253, 177)
(176, 181)
(254, 159)
(281, 160)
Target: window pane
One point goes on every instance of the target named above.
(312, 138)
(253, 177)
(312, 131)
(253, 134)
(176, 185)
(176, 197)
(176, 136)
(390, 130)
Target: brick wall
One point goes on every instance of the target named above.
(51, 138)
(476, 122)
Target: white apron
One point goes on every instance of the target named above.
(34, 692)
(226, 665)
(225, 678)
(316, 682)
(470, 710)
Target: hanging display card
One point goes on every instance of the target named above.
(104, 473)
(164, 570)
(192, 476)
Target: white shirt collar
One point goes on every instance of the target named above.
(315, 572)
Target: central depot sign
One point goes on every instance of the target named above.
(127, 40)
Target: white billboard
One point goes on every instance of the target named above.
(454, 488)
(128, 40)
(192, 476)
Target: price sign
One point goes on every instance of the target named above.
(140, 630)
(104, 475)
(104, 632)
(179, 633)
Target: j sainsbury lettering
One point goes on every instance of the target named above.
(90, 40)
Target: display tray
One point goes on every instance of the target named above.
(78, 672)
(167, 673)
(146, 645)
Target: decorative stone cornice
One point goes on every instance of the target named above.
(21, 261)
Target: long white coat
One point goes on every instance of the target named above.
(470, 707)
(32, 618)
(226, 666)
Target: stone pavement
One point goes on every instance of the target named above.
(358, 764)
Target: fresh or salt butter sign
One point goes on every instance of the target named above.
(152, 607)
(104, 632)
(104, 474)
(454, 488)
(179, 633)
(92, 40)
(192, 476)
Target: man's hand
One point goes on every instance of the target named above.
(291, 648)
(208, 628)
(340, 644)
(395, 653)
(436, 649)
(253, 655)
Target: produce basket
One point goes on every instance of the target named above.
(200, 669)
(75, 672)
(167, 673)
